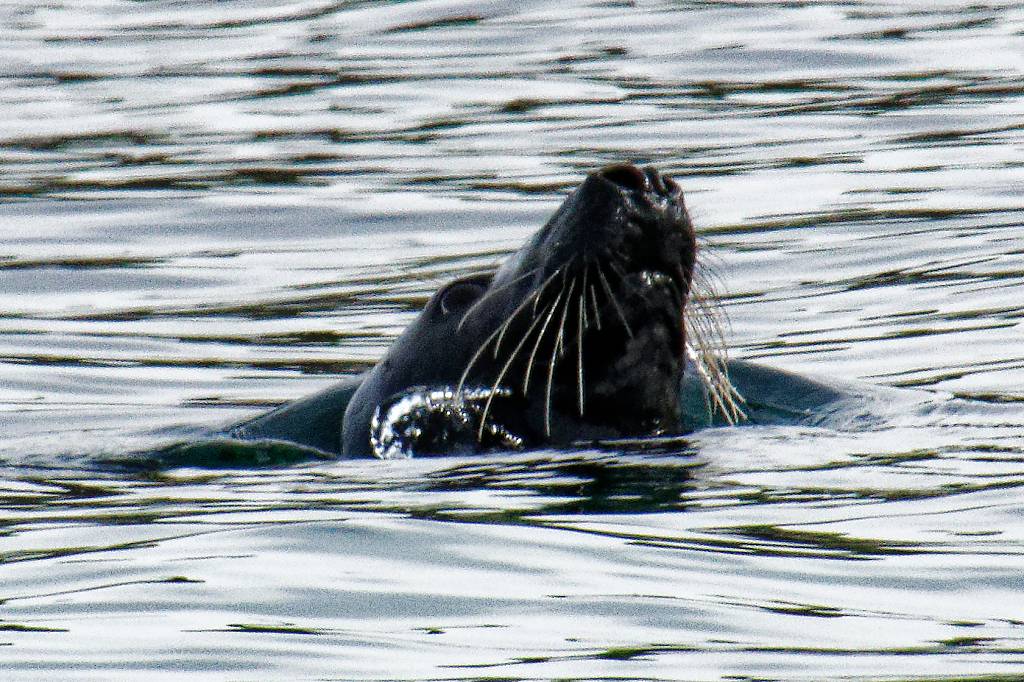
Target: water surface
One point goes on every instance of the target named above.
(208, 209)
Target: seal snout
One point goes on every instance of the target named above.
(633, 179)
(630, 216)
(626, 176)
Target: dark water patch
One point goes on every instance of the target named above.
(968, 641)
(242, 177)
(578, 486)
(222, 402)
(945, 136)
(99, 262)
(283, 629)
(857, 215)
(828, 544)
(319, 337)
(64, 552)
(305, 365)
(76, 142)
(282, 15)
(16, 627)
(222, 454)
(173, 580)
(810, 610)
(259, 310)
(446, 22)
(610, 654)
(994, 398)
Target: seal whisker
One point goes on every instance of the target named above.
(501, 374)
(536, 345)
(580, 326)
(706, 268)
(565, 315)
(597, 309)
(616, 268)
(583, 294)
(497, 342)
(476, 356)
(706, 348)
(555, 353)
(515, 313)
(568, 299)
(501, 335)
(564, 270)
(614, 301)
(723, 402)
(505, 326)
(490, 293)
(705, 286)
(702, 323)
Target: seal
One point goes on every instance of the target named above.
(584, 333)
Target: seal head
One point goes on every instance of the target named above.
(579, 335)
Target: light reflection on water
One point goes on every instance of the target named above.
(212, 208)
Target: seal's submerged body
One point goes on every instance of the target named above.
(580, 335)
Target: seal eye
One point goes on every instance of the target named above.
(460, 295)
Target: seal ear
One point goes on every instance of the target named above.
(462, 293)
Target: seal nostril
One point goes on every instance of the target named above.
(671, 185)
(627, 177)
(657, 180)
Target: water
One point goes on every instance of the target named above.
(211, 208)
